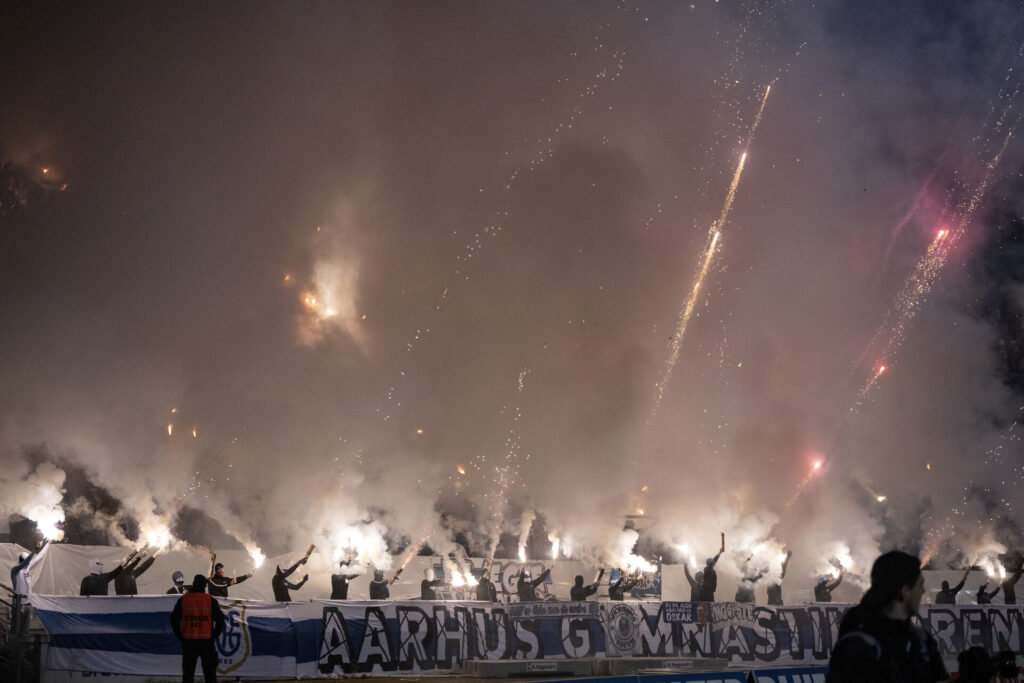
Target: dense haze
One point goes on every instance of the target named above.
(357, 246)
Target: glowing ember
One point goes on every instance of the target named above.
(461, 469)
(420, 430)
(170, 430)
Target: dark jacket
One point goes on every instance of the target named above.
(823, 589)
(872, 647)
(948, 597)
(174, 590)
(339, 584)
(527, 590)
(581, 593)
(775, 593)
(617, 590)
(215, 613)
(281, 585)
(427, 588)
(125, 584)
(218, 585)
(379, 590)
(986, 598)
(1009, 591)
(99, 584)
(710, 584)
(486, 591)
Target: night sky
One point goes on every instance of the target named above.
(358, 246)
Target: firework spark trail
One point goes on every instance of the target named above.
(890, 334)
(919, 284)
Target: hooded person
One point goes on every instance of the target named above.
(823, 589)
(218, 583)
(526, 587)
(98, 582)
(485, 590)
(340, 581)
(877, 639)
(178, 587)
(125, 582)
(428, 584)
(379, 586)
(696, 583)
(197, 621)
(985, 598)
(710, 583)
(282, 585)
(775, 587)
(579, 592)
(617, 589)
(1009, 583)
(947, 595)
(21, 580)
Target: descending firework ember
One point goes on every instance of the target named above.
(170, 430)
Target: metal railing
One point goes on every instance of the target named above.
(20, 651)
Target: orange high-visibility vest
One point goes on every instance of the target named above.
(196, 616)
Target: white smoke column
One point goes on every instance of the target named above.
(555, 542)
(35, 496)
(621, 552)
(525, 524)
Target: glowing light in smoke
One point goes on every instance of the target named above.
(170, 430)
(555, 542)
(461, 469)
(643, 490)
(522, 553)
(881, 499)
(420, 430)
(158, 538)
(195, 432)
(816, 466)
(258, 558)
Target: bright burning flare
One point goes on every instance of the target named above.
(258, 558)
(158, 538)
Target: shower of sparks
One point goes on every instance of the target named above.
(714, 234)
(908, 301)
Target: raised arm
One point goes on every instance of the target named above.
(963, 580)
(540, 579)
(297, 586)
(833, 586)
(145, 565)
(785, 563)
(213, 561)
(686, 570)
(597, 581)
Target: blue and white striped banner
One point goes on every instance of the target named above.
(134, 636)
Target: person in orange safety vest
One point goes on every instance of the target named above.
(197, 621)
